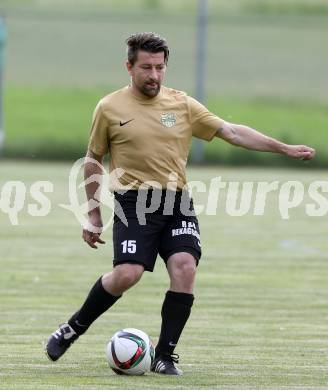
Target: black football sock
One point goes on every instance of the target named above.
(175, 313)
(96, 303)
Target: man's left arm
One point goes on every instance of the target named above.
(248, 138)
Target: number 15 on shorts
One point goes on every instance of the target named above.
(129, 246)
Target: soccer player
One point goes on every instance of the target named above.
(147, 128)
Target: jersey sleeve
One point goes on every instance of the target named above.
(204, 124)
(99, 141)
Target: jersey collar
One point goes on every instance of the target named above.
(142, 100)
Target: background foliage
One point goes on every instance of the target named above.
(266, 67)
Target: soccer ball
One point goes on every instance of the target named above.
(130, 352)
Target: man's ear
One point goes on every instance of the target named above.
(129, 66)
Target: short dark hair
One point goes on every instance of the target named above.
(147, 41)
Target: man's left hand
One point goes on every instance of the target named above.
(301, 152)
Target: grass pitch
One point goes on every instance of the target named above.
(260, 314)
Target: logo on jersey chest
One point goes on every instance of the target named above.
(168, 119)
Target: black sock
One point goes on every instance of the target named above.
(96, 303)
(175, 313)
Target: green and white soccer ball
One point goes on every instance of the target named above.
(130, 352)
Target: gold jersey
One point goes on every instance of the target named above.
(150, 138)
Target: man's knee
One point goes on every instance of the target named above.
(122, 277)
(182, 266)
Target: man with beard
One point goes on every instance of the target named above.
(147, 129)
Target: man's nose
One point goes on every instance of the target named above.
(154, 74)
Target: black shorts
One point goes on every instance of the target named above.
(170, 228)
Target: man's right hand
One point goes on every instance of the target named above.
(91, 233)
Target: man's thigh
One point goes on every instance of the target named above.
(137, 244)
(181, 234)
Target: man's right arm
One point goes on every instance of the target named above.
(91, 233)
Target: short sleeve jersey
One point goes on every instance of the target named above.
(149, 139)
